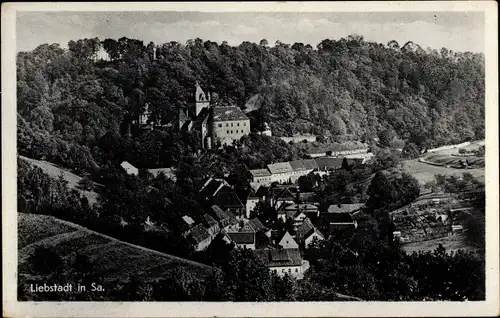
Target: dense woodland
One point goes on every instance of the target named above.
(348, 89)
(74, 110)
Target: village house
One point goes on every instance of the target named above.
(296, 215)
(225, 218)
(261, 234)
(212, 187)
(281, 172)
(250, 203)
(229, 201)
(328, 163)
(214, 123)
(200, 237)
(310, 165)
(211, 225)
(245, 240)
(280, 195)
(307, 233)
(129, 168)
(299, 170)
(260, 177)
(286, 241)
(337, 223)
(283, 261)
(290, 210)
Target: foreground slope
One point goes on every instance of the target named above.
(113, 260)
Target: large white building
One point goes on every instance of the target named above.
(282, 172)
(283, 261)
(214, 123)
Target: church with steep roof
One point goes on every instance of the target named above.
(214, 123)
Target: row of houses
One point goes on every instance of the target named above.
(291, 171)
(130, 169)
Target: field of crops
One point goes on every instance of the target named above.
(452, 243)
(113, 259)
(424, 172)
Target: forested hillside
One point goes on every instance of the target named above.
(345, 89)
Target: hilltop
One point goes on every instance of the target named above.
(341, 90)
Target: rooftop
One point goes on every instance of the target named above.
(257, 225)
(199, 233)
(209, 220)
(242, 237)
(303, 207)
(221, 214)
(309, 164)
(342, 208)
(306, 229)
(279, 257)
(260, 173)
(228, 113)
(338, 217)
(329, 163)
(297, 165)
(228, 199)
(280, 167)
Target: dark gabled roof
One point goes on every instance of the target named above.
(297, 165)
(242, 237)
(309, 164)
(219, 213)
(202, 116)
(304, 207)
(280, 193)
(257, 225)
(209, 221)
(199, 233)
(306, 229)
(228, 199)
(329, 163)
(342, 208)
(210, 187)
(262, 191)
(260, 173)
(223, 216)
(338, 217)
(279, 257)
(228, 113)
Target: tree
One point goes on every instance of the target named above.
(385, 137)
(411, 150)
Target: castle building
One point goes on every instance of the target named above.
(222, 123)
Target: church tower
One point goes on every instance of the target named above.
(201, 101)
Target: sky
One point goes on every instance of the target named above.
(457, 31)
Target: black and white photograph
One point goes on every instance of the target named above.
(209, 155)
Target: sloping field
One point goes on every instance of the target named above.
(452, 243)
(441, 159)
(425, 172)
(55, 171)
(113, 259)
